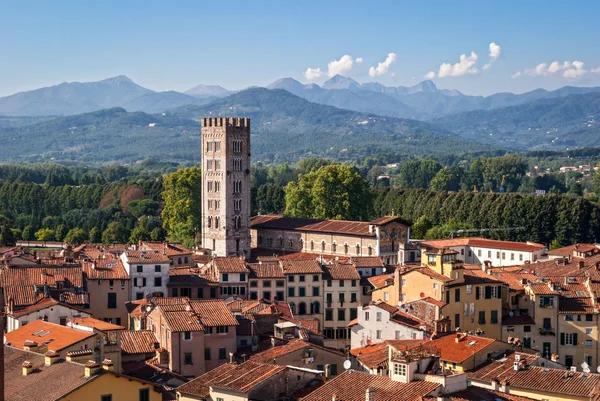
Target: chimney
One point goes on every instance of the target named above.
(370, 394)
(231, 357)
(51, 357)
(27, 368)
(91, 368)
(327, 371)
(30, 345)
(107, 364)
(80, 356)
(163, 356)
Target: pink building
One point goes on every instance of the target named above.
(196, 335)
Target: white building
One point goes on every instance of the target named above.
(380, 321)
(473, 250)
(149, 272)
(48, 310)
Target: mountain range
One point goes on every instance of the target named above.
(118, 120)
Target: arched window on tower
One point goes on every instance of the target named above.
(358, 249)
(280, 241)
(346, 248)
(209, 221)
(217, 221)
(291, 242)
(312, 245)
(323, 246)
(333, 247)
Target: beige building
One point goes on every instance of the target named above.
(267, 281)
(384, 237)
(108, 285)
(304, 288)
(342, 298)
(226, 186)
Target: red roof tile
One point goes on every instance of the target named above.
(57, 337)
(265, 270)
(352, 386)
(138, 342)
(457, 352)
(340, 271)
(291, 346)
(301, 267)
(94, 323)
(151, 256)
(382, 280)
(229, 265)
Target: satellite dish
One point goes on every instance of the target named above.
(598, 369)
(584, 365)
(511, 314)
(384, 269)
(347, 364)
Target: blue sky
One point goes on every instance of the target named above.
(177, 45)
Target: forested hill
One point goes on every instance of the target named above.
(558, 123)
(103, 136)
(286, 127)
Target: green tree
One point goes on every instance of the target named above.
(28, 234)
(138, 234)
(116, 232)
(158, 234)
(44, 235)
(332, 192)
(420, 227)
(75, 236)
(447, 179)
(181, 214)
(7, 237)
(142, 207)
(418, 173)
(60, 232)
(95, 235)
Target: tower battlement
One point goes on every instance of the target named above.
(239, 122)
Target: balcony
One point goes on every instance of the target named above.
(547, 331)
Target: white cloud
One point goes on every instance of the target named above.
(359, 60)
(465, 66)
(382, 68)
(313, 73)
(341, 66)
(516, 75)
(495, 51)
(595, 70)
(430, 75)
(568, 69)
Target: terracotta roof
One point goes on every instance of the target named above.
(58, 337)
(352, 386)
(105, 269)
(388, 219)
(241, 378)
(482, 243)
(383, 280)
(473, 277)
(94, 323)
(541, 289)
(301, 266)
(340, 271)
(138, 342)
(265, 270)
(434, 301)
(474, 393)
(406, 344)
(372, 356)
(171, 249)
(408, 320)
(366, 261)
(179, 276)
(430, 273)
(40, 275)
(45, 383)
(146, 257)
(43, 304)
(291, 346)
(537, 378)
(568, 250)
(230, 265)
(359, 228)
(213, 312)
(382, 305)
(516, 281)
(452, 351)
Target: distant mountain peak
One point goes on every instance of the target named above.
(340, 82)
(207, 90)
(119, 79)
(425, 86)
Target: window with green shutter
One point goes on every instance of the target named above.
(482, 317)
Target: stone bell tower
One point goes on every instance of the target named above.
(226, 186)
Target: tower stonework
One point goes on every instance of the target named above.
(226, 186)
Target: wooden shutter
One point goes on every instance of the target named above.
(562, 338)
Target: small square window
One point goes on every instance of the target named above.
(140, 269)
(157, 269)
